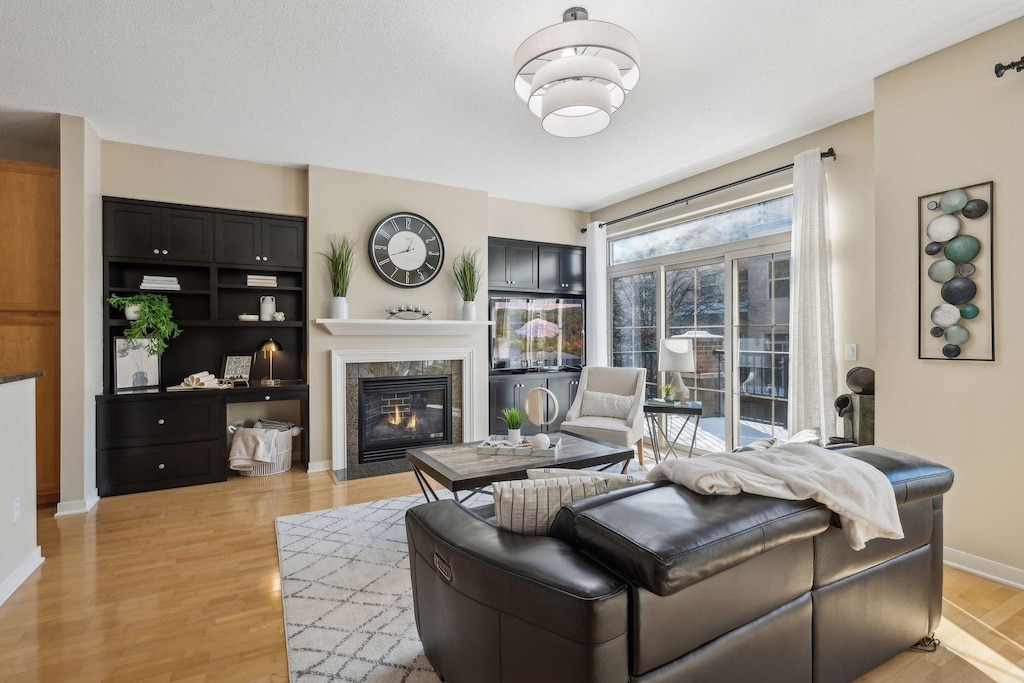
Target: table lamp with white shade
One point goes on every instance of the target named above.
(676, 356)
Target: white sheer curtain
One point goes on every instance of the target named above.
(812, 344)
(597, 295)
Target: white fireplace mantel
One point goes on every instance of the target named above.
(433, 328)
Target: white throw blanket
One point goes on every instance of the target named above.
(859, 493)
(250, 447)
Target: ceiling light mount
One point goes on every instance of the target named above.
(574, 75)
(1003, 68)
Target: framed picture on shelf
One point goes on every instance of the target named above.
(237, 366)
(135, 369)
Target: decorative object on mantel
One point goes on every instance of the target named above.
(1012, 66)
(340, 266)
(955, 281)
(573, 75)
(407, 312)
(466, 274)
(154, 322)
(270, 347)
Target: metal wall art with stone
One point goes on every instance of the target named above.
(956, 313)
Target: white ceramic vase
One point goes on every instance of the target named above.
(339, 308)
(469, 310)
(515, 434)
(132, 312)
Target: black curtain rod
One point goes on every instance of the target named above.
(830, 153)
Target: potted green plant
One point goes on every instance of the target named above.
(514, 419)
(467, 273)
(152, 320)
(340, 257)
(668, 392)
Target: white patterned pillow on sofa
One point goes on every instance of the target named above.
(527, 506)
(600, 404)
(615, 480)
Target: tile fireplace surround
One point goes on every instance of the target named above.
(348, 367)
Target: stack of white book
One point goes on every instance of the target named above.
(161, 282)
(261, 280)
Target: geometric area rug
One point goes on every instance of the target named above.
(348, 610)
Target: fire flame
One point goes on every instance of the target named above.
(412, 421)
(397, 419)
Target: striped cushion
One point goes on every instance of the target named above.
(615, 481)
(527, 506)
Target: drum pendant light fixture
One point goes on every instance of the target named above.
(573, 75)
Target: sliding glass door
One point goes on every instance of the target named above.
(731, 300)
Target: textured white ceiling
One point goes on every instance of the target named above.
(422, 89)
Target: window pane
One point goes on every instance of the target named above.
(765, 218)
(635, 323)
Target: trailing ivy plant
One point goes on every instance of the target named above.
(155, 324)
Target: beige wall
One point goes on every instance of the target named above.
(942, 122)
(343, 202)
(851, 197)
(81, 302)
(164, 175)
(522, 221)
(15, 150)
(21, 554)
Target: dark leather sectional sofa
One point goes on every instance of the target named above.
(657, 583)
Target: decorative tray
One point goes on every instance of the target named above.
(501, 445)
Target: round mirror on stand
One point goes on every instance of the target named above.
(536, 406)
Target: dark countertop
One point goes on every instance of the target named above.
(7, 379)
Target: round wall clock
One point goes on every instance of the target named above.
(406, 250)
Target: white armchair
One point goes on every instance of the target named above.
(609, 406)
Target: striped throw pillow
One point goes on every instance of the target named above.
(527, 506)
(615, 480)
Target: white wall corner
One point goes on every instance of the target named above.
(989, 569)
(318, 466)
(13, 581)
(77, 507)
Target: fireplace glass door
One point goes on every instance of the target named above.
(398, 413)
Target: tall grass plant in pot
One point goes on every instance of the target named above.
(340, 257)
(466, 274)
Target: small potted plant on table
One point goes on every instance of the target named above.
(514, 419)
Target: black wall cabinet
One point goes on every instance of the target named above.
(508, 391)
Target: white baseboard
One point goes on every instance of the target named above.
(20, 573)
(319, 466)
(77, 507)
(972, 564)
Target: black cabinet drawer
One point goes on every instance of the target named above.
(131, 470)
(129, 423)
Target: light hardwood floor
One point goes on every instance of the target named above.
(183, 585)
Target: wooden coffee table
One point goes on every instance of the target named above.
(460, 468)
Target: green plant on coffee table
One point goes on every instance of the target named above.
(512, 417)
(340, 257)
(668, 392)
(467, 273)
(155, 324)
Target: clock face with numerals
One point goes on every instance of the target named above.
(406, 250)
